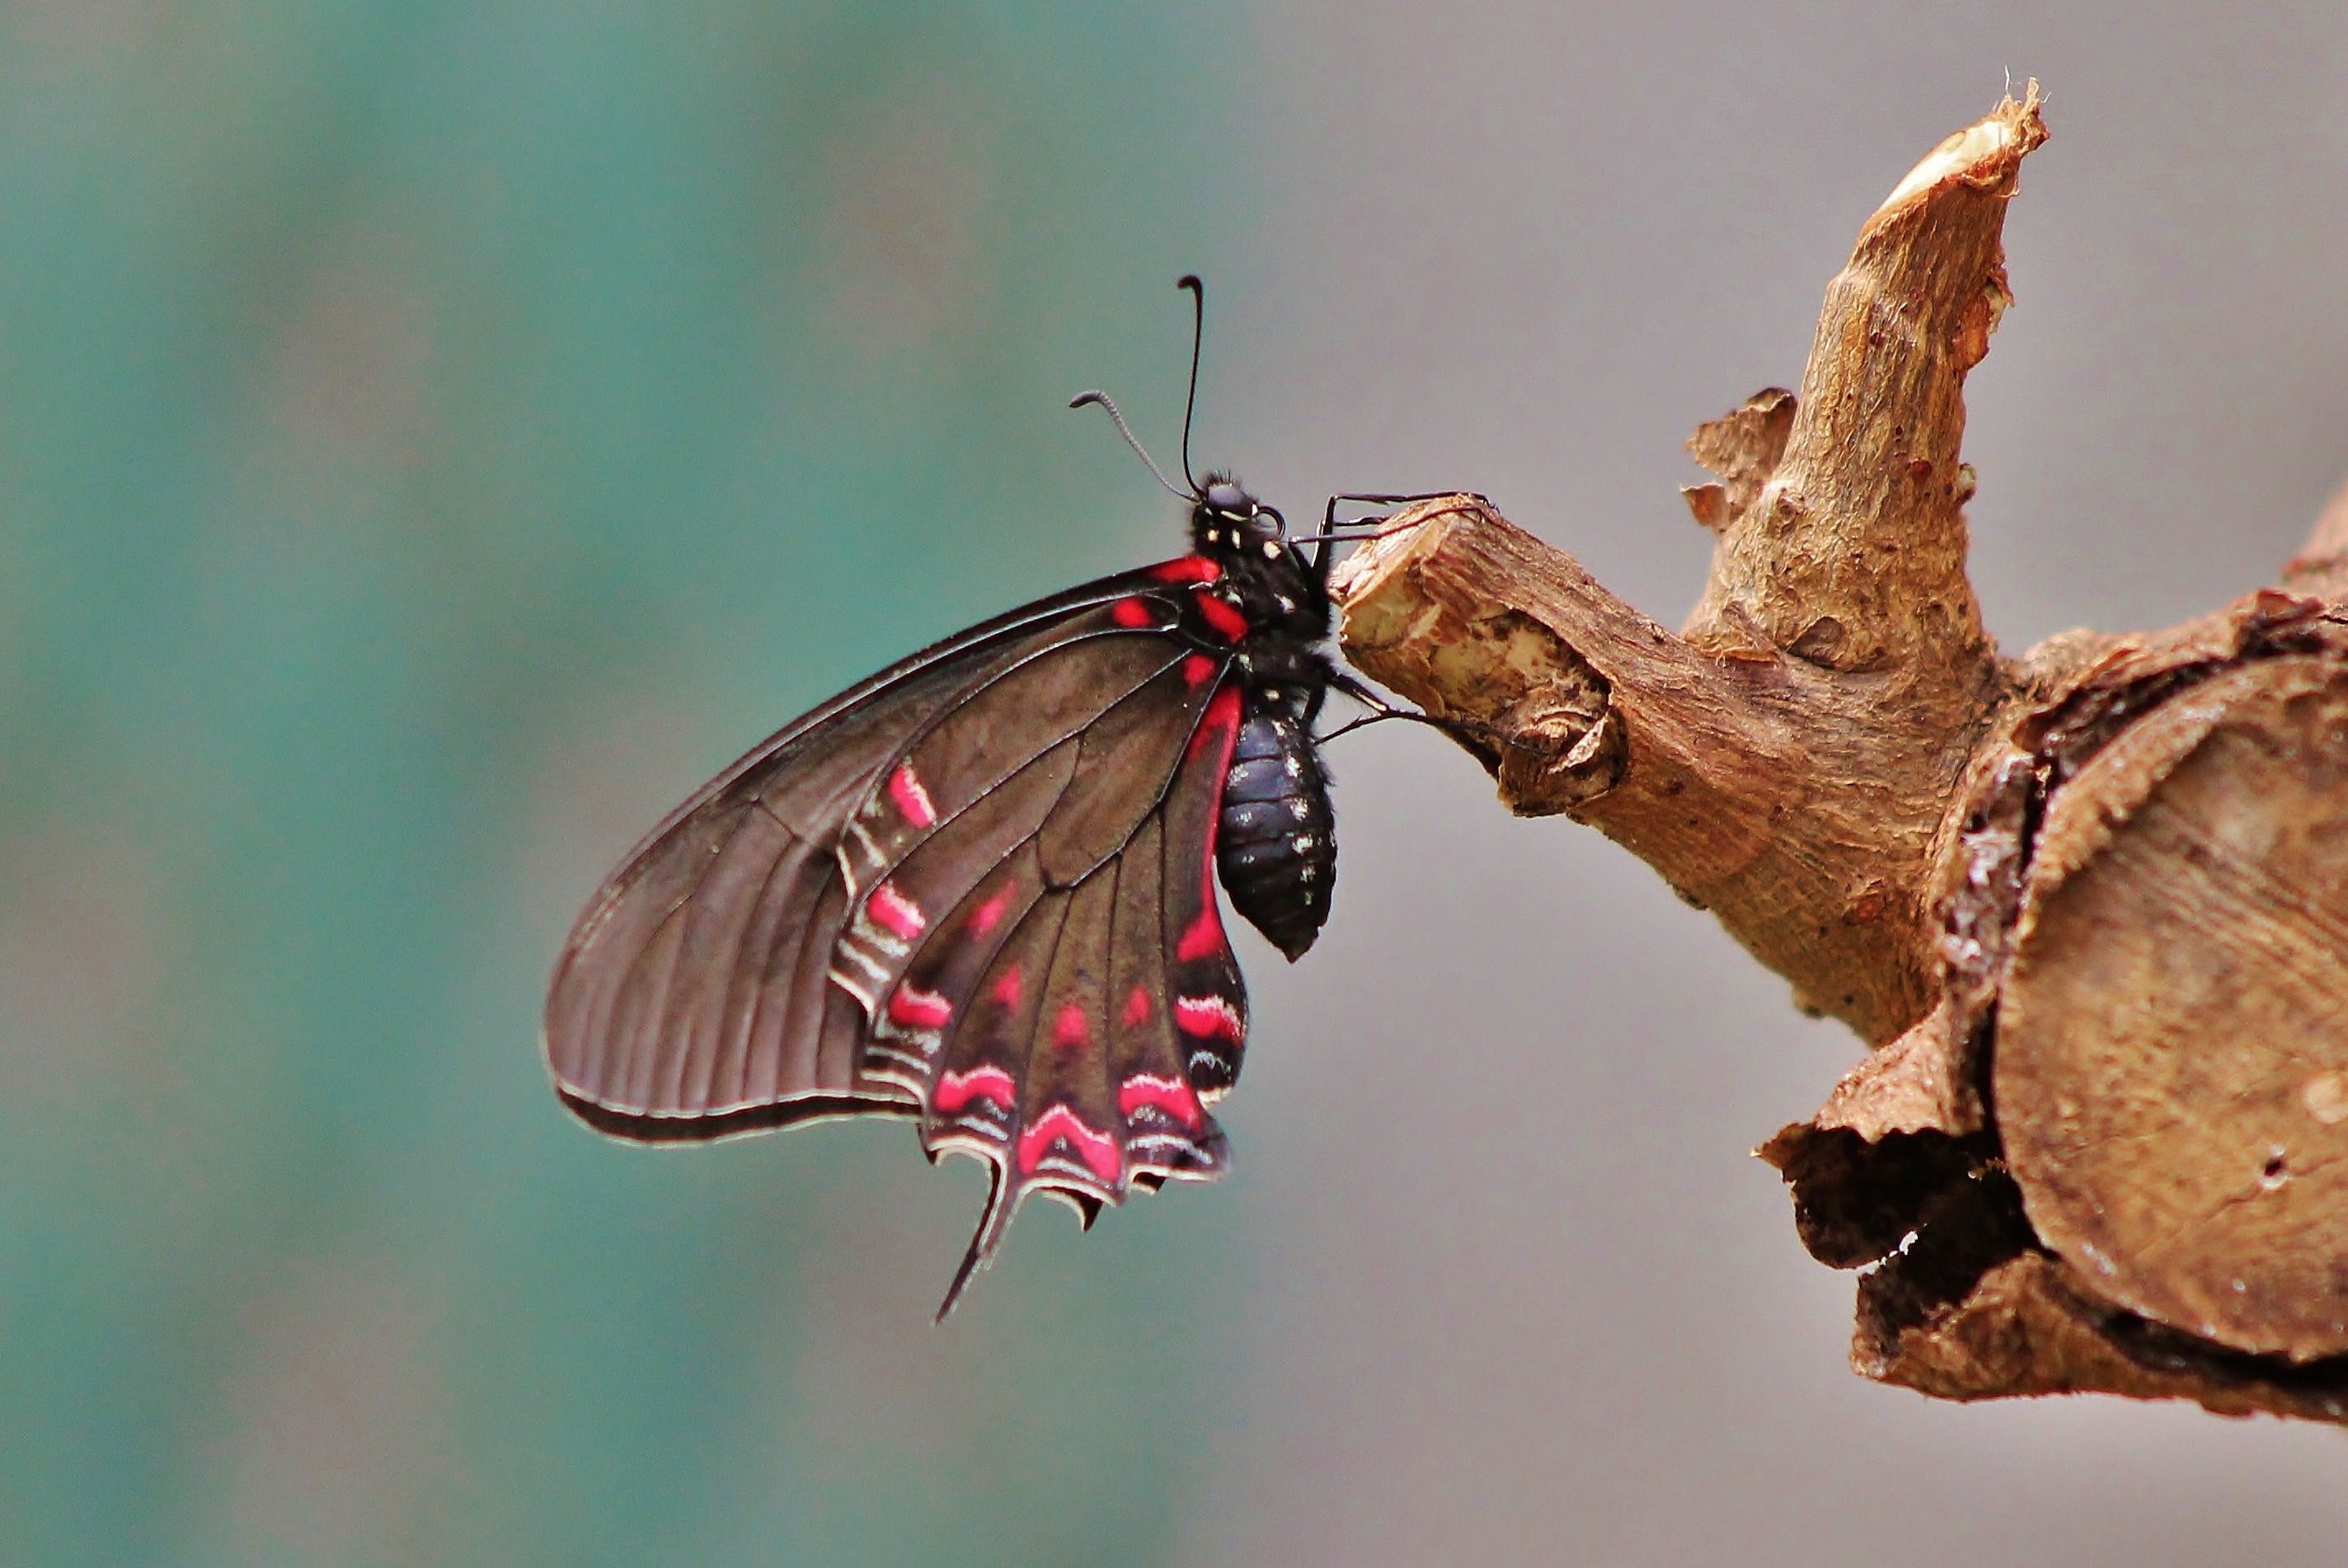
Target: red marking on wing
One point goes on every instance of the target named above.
(1136, 1007)
(1208, 1018)
(1197, 669)
(956, 1091)
(1221, 726)
(1189, 569)
(899, 913)
(1204, 938)
(988, 916)
(1097, 1149)
(912, 801)
(1171, 1096)
(1223, 617)
(1131, 612)
(1008, 988)
(1071, 1030)
(919, 1009)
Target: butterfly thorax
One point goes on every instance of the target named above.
(1263, 575)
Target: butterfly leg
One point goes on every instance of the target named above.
(1381, 710)
(1377, 498)
(1333, 531)
(1359, 528)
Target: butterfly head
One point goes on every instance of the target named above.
(1229, 524)
(1263, 573)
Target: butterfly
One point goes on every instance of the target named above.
(978, 891)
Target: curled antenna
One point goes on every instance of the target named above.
(1197, 337)
(1081, 398)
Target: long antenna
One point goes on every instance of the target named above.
(1097, 395)
(1197, 337)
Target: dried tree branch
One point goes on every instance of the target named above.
(2321, 564)
(2102, 889)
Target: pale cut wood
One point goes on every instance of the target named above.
(2176, 1019)
(2322, 564)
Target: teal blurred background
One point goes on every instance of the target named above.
(433, 437)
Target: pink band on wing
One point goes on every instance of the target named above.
(1096, 1149)
(1209, 1017)
(1071, 1030)
(1008, 988)
(1136, 1007)
(1189, 569)
(912, 801)
(1204, 937)
(1223, 617)
(1131, 612)
(1171, 1096)
(899, 913)
(988, 916)
(1219, 728)
(1197, 669)
(919, 1009)
(956, 1091)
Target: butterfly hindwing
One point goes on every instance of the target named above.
(1073, 837)
(1043, 726)
(1165, 1127)
(1077, 1064)
(1000, 726)
(945, 906)
(1068, 1141)
(974, 1099)
(1204, 993)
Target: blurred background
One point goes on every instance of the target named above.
(433, 437)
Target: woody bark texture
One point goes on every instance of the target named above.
(2087, 907)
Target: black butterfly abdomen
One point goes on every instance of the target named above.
(1275, 846)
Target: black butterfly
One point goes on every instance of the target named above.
(978, 889)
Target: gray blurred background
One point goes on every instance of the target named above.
(434, 435)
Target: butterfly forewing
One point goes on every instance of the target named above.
(685, 989)
(978, 890)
